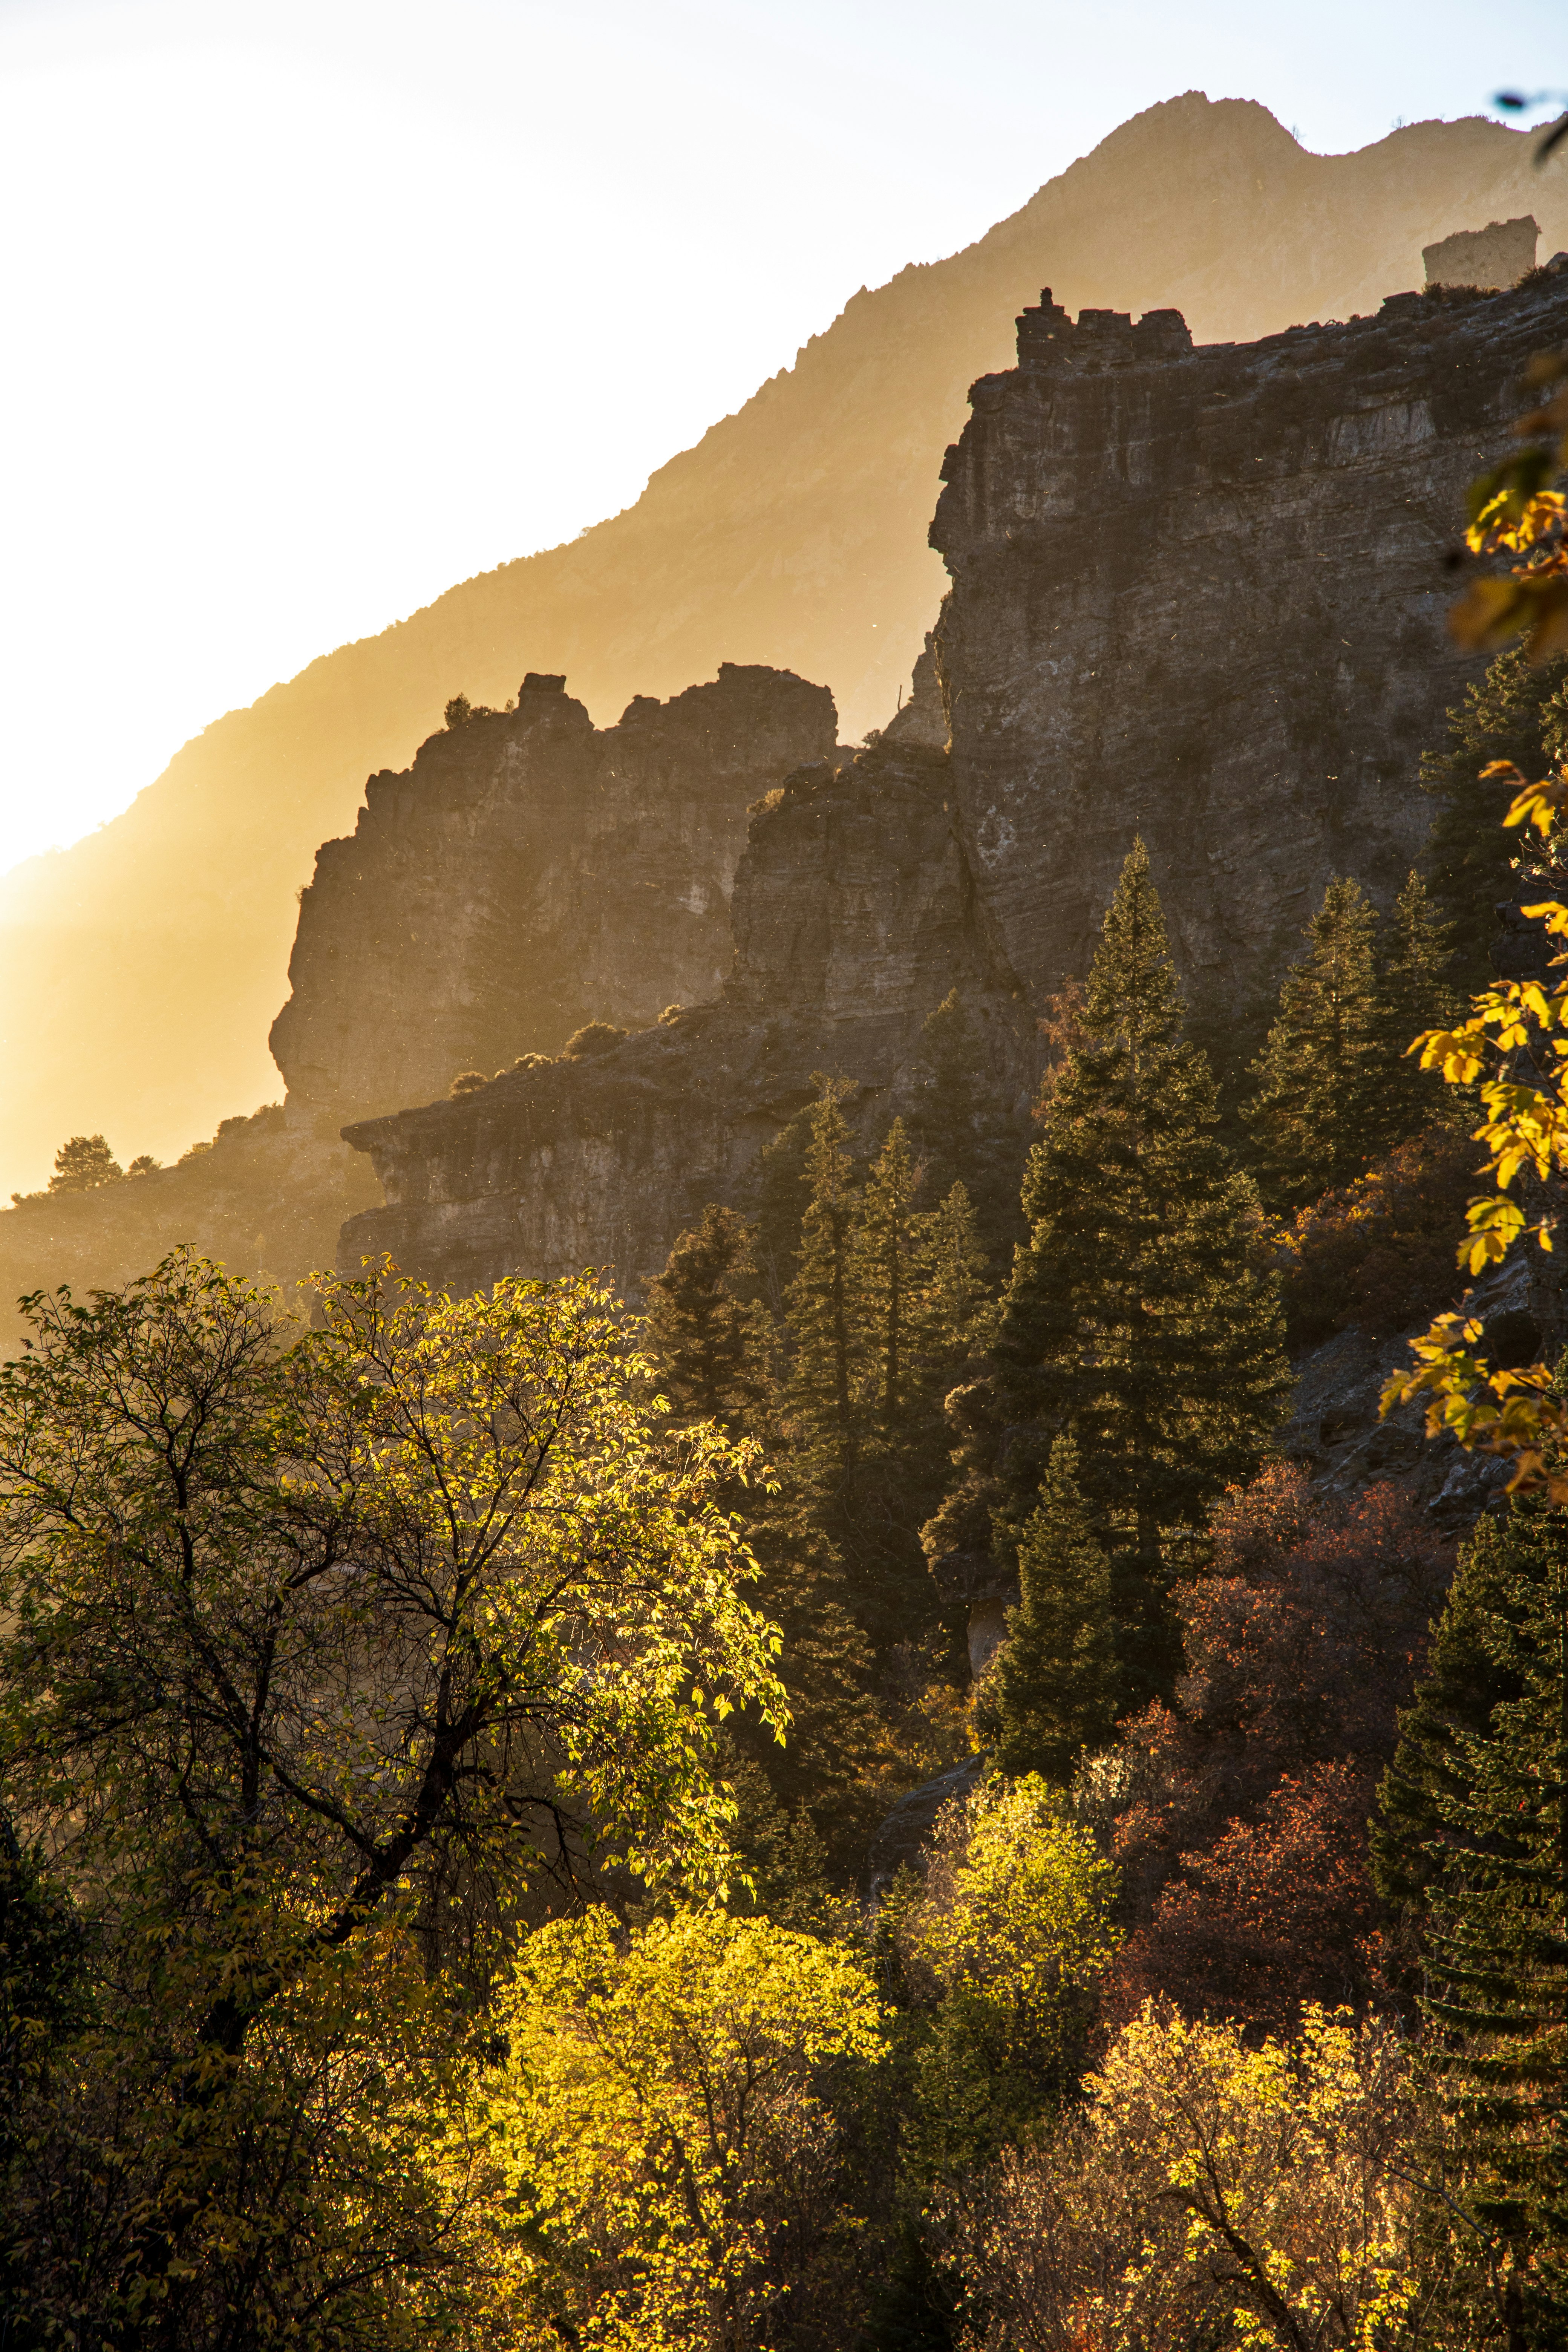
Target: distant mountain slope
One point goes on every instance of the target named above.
(139, 970)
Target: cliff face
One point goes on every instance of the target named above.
(1197, 593)
(853, 918)
(530, 873)
(139, 970)
(1200, 594)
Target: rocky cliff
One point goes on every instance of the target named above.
(1195, 592)
(530, 873)
(1200, 593)
(139, 970)
(853, 917)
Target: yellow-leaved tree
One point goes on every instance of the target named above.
(1513, 1048)
(664, 2128)
(318, 1649)
(1211, 2192)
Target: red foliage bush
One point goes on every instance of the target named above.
(1279, 1910)
(1249, 1801)
(1381, 1252)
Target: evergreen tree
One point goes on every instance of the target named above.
(1463, 1683)
(1414, 995)
(708, 1340)
(1518, 712)
(1137, 1320)
(888, 1275)
(1323, 1075)
(1493, 1892)
(84, 1163)
(1050, 1693)
(827, 1327)
(953, 1304)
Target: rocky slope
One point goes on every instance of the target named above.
(139, 970)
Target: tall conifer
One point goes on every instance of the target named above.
(1051, 1691)
(1323, 1076)
(708, 1339)
(826, 1325)
(1139, 1321)
(1483, 1766)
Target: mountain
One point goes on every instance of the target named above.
(139, 970)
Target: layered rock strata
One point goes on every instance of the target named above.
(530, 873)
(1200, 594)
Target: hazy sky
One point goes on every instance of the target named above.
(314, 307)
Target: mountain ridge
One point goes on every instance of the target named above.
(141, 967)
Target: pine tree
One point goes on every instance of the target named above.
(888, 1273)
(1414, 995)
(1323, 1075)
(708, 1340)
(1462, 1685)
(84, 1163)
(1051, 1691)
(1516, 713)
(953, 1303)
(1137, 1320)
(1492, 1889)
(823, 1400)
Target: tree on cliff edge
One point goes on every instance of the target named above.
(1139, 1321)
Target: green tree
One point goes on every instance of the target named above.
(1491, 1890)
(827, 1327)
(1414, 995)
(1139, 1321)
(708, 1339)
(84, 1163)
(1502, 1564)
(1050, 1692)
(1517, 713)
(1318, 1110)
(1000, 1950)
(888, 1279)
(305, 1631)
(675, 2175)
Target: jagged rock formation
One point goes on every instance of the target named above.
(1197, 593)
(1200, 594)
(529, 874)
(140, 969)
(1497, 255)
(853, 918)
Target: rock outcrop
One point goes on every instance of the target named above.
(1200, 594)
(530, 873)
(853, 918)
(138, 970)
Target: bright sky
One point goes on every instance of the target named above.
(314, 306)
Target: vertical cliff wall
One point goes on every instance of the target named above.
(1198, 593)
(853, 917)
(530, 873)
